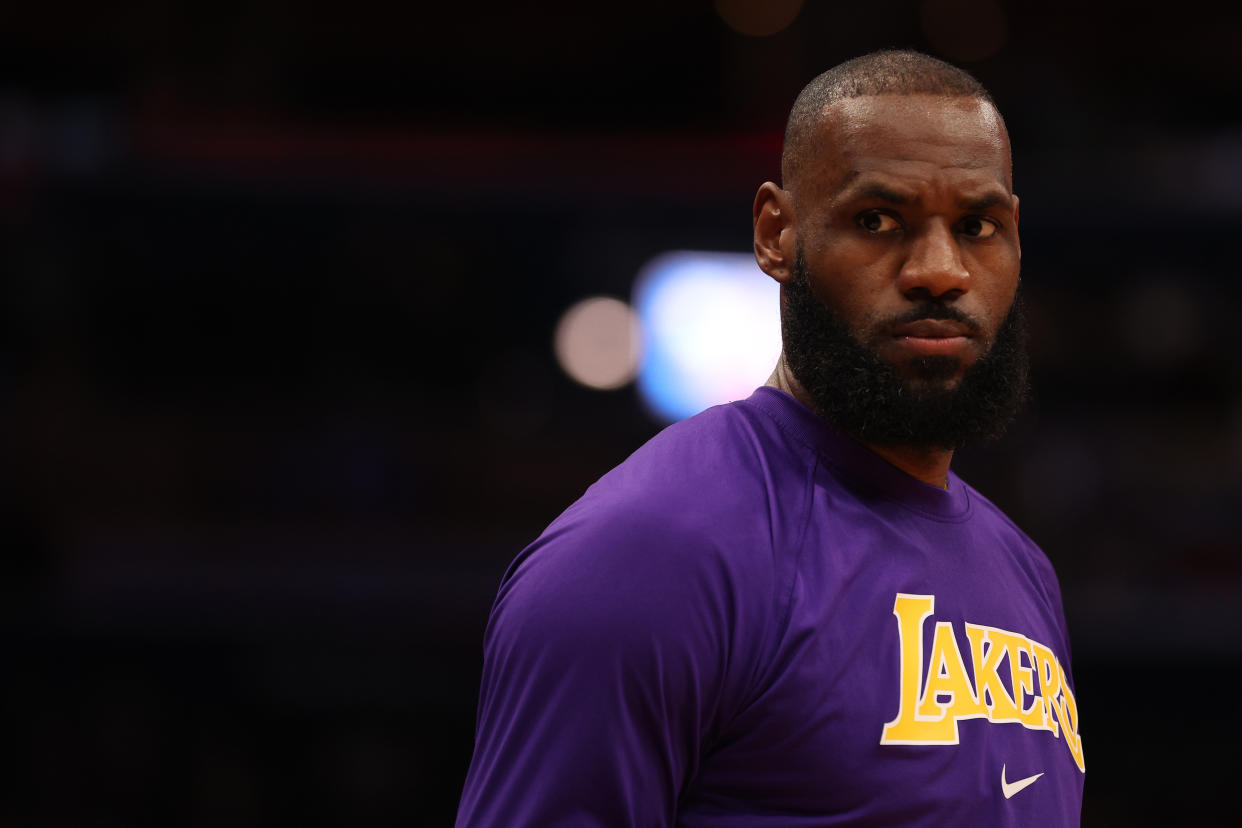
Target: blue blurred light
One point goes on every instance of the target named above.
(711, 330)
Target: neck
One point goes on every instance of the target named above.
(928, 464)
(931, 465)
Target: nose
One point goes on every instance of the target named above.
(934, 267)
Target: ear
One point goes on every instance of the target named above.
(774, 231)
(1017, 237)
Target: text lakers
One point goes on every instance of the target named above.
(1015, 679)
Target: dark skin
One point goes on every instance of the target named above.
(905, 199)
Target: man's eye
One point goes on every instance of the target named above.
(978, 227)
(878, 222)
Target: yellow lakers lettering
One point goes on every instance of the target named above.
(1011, 679)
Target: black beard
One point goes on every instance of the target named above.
(864, 396)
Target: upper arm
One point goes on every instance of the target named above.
(604, 662)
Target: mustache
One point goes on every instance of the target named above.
(935, 310)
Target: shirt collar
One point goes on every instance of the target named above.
(857, 464)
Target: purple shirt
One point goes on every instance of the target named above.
(755, 621)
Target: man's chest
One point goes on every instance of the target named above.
(906, 693)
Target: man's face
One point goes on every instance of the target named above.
(863, 394)
(907, 238)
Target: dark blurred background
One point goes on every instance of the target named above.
(279, 402)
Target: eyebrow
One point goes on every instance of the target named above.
(880, 192)
(984, 202)
(873, 191)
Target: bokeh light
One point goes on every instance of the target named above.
(711, 330)
(597, 343)
(758, 18)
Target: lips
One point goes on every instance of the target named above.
(933, 329)
(934, 338)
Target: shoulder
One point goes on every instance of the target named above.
(639, 619)
(692, 528)
(706, 472)
(725, 481)
(1016, 542)
(986, 510)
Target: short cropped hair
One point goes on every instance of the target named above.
(886, 72)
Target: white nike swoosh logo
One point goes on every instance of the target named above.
(1011, 788)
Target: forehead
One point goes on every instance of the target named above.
(915, 139)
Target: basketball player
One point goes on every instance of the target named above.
(788, 611)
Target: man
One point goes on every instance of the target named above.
(788, 611)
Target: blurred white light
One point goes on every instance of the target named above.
(711, 330)
(597, 342)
